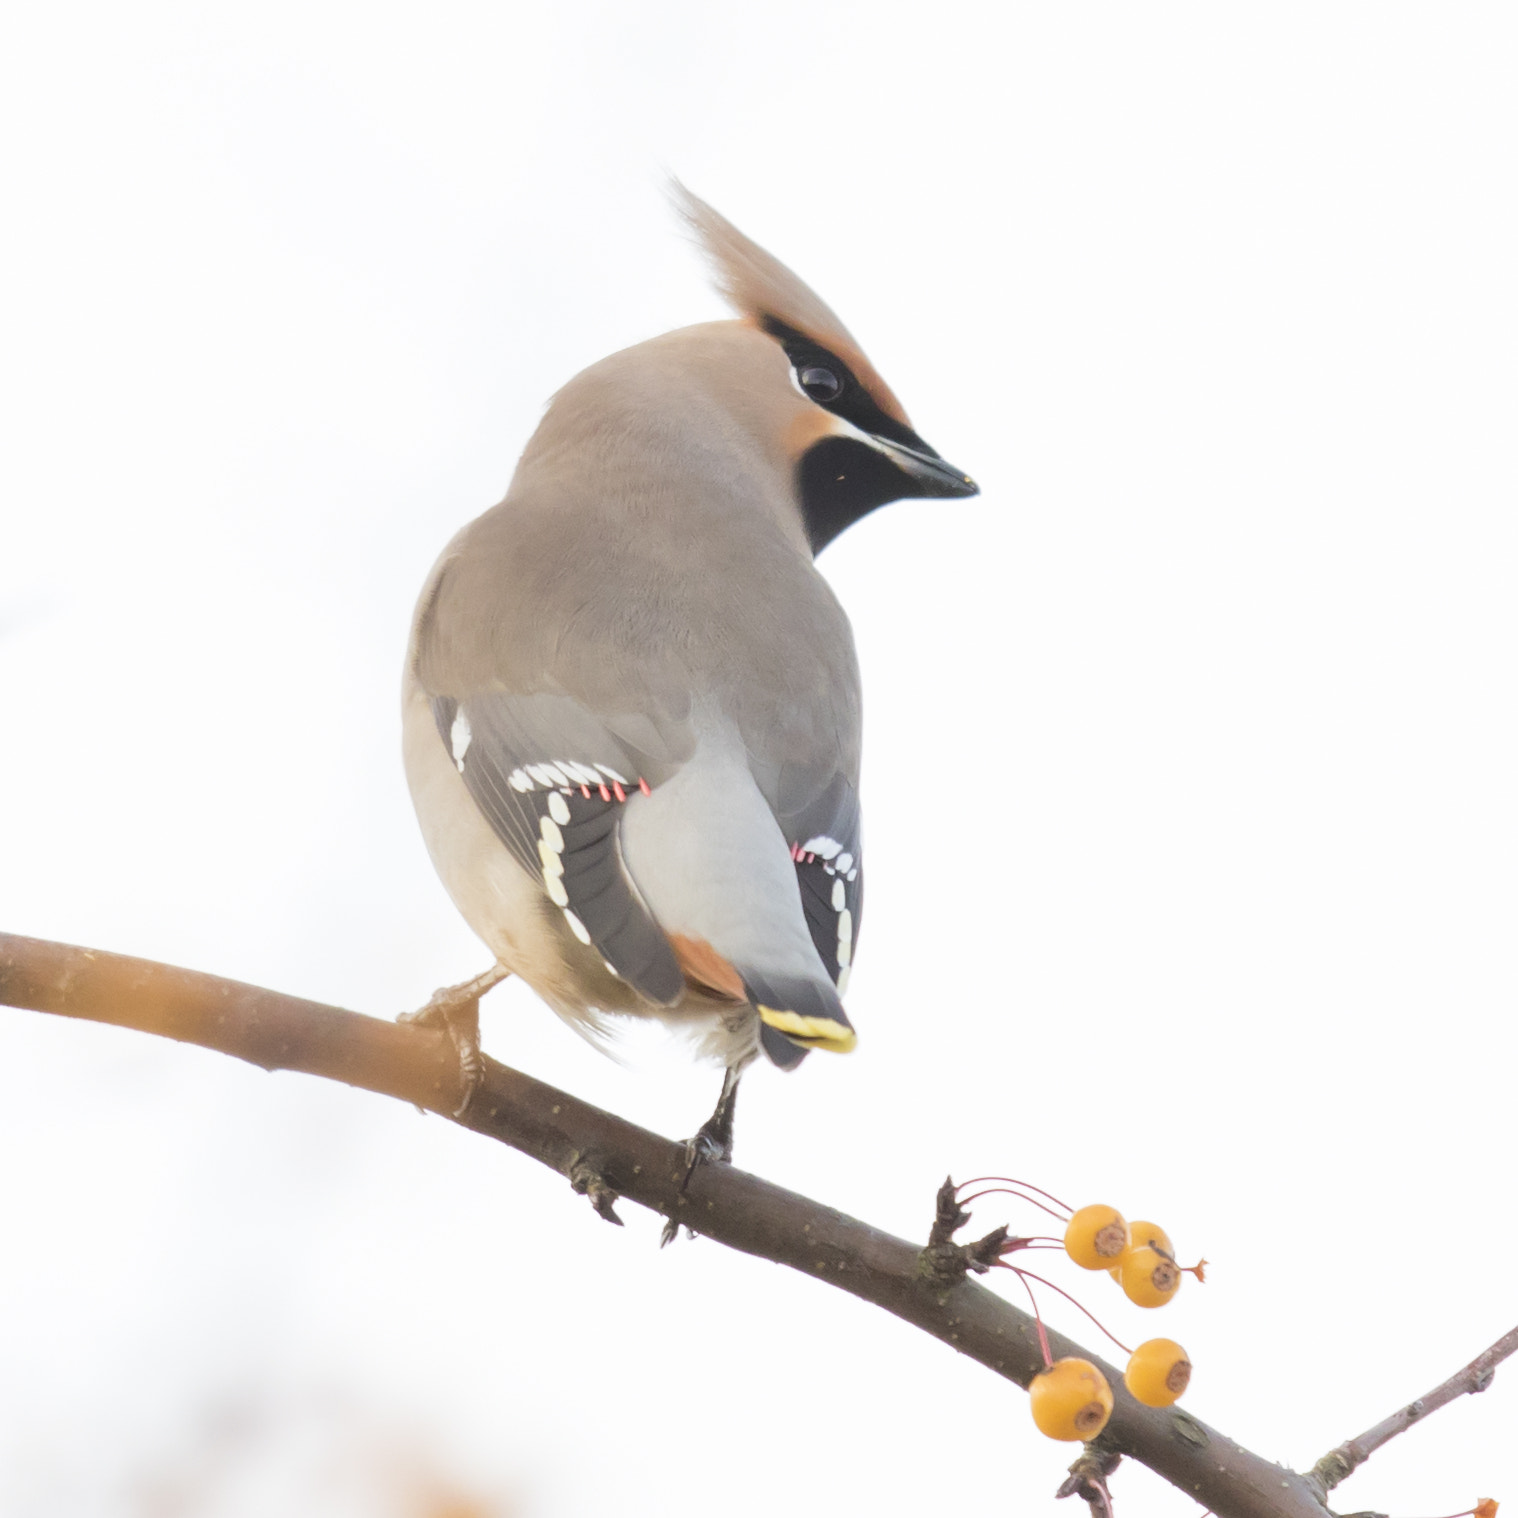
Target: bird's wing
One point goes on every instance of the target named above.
(551, 778)
(824, 836)
(560, 663)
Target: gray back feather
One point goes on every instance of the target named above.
(649, 556)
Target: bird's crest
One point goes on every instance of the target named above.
(757, 285)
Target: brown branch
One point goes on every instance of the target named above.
(607, 1157)
(1340, 1463)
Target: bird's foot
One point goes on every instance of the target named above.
(586, 1179)
(450, 999)
(713, 1140)
(704, 1147)
(711, 1143)
(456, 1010)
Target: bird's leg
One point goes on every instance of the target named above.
(713, 1140)
(456, 1009)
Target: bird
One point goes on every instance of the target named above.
(631, 702)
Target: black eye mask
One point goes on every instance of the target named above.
(849, 399)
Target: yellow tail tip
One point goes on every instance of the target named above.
(811, 1032)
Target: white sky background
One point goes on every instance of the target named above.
(1190, 751)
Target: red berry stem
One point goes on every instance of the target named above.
(1007, 1191)
(1003, 1180)
(1038, 1318)
(1017, 1270)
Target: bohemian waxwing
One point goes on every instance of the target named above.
(632, 707)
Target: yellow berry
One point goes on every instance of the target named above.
(1158, 1372)
(1096, 1236)
(1149, 1279)
(1145, 1233)
(1070, 1400)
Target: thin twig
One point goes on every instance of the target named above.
(1339, 1463)
(1088, 1479)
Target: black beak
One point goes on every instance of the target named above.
(933, 477)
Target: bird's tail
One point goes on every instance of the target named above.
(797, 1014)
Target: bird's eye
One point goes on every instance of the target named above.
(820, 384)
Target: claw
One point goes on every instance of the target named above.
(702, 1148)
(712, 1142)
(706, 1145)
(466, 1044)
